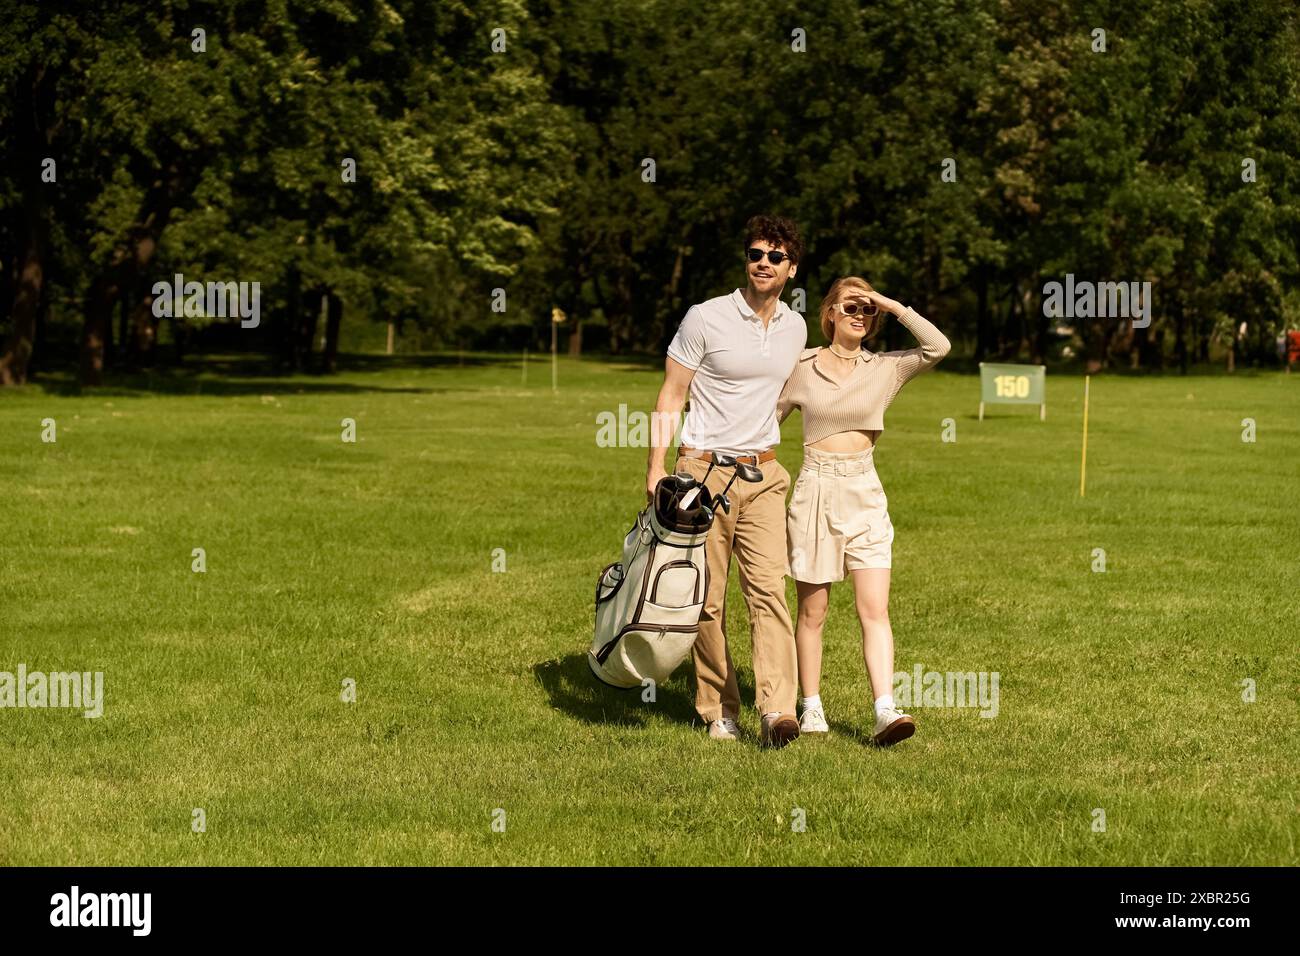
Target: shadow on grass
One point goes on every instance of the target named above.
(371, 362)
(219, 374)
(854, 733)
(258, 375)
(863, 737)
(635, 362)
(574, 689)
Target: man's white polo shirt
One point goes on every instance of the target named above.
(740, 367)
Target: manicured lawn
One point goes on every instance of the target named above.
(374, 561)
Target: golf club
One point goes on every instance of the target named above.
(744, 473)
(721, 461)
(687, 491)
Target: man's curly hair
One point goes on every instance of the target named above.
(776, 230)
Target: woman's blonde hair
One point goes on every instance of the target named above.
(839, 288)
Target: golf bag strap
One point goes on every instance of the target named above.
(706, 455)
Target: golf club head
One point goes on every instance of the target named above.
(715, 460)
(722, 501)
(687, 491)
(675, 492)
(675, 482)
(745, 473)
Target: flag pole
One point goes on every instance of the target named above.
(557, 316)
(1083, 466)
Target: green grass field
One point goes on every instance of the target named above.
(373, 561)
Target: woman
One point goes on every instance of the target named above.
(838, 523)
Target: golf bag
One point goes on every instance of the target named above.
(648, 605)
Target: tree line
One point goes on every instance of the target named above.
(464, 168)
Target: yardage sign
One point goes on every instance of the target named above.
(1013, 385)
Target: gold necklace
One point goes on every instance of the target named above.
(850, 357)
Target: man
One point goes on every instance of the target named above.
(733, 354)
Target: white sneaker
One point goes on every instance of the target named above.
(813, 722)
(724, 729)
(892, 725)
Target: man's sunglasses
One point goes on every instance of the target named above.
(868, 309)
(774, 256)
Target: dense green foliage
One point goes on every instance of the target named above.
(522, 168)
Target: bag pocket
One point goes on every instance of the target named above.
(676, 584)
(645, 652)
(609, 581)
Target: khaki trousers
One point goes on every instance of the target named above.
(755, 532)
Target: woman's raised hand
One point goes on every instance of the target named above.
(882, 302)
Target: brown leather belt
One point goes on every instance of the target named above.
(769, 455)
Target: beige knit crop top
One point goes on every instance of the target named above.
(859, 402)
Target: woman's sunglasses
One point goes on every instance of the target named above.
(867, 309)
(774, 256)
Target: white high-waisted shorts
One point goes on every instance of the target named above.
(838, 520)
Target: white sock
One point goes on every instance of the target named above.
(884, 702)
(812, 703)
(773, 715)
